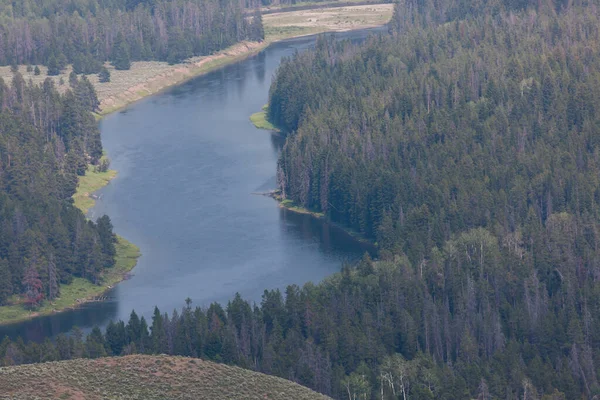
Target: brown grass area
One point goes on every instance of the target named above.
(147, 78)
(332, 19)
(144, 377)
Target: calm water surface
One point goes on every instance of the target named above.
(189, 161)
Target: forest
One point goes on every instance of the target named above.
(47, 140)
(465, 145)
(87, 33)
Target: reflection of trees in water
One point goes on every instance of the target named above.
(277, 141)
(331, 238)
(85, 317)
(240, 70)
(260, 66)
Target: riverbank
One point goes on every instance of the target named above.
(290, 205)
(260, 120)
(80, 291)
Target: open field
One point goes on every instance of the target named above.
(306, 22)
(144, 377)
(149, 77)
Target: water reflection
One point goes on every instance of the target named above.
(260, 67)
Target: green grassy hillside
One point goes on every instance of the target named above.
(144, 377)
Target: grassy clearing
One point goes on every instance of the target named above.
(145, 377)
(88, 184)
(301, 22)
(260, 120)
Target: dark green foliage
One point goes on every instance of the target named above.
(104, 75)
(53, 67)
(180, 47)
(73, 81)
(5, 281)
(107, 240)
(257, 31)
(88, 33)
(47, 140)
(413, 138)
(121, 60)
(37, 71)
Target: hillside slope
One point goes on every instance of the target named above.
(144, 377)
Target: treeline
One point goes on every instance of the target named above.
(468, 147)
(410, 139)
(458, 327)
(88, 33)
(47, 139)
(430, 13)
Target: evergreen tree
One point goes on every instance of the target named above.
(121, 60)
(53, 67)
(73, 79)
(5, 281)
(257, 32)
(104, 75)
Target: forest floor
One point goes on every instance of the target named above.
(80, 291)
(146, 78)
(145, 377)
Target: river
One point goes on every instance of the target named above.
(189, 161)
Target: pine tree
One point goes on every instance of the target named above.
(73, 79)
(104, 75)
(5, 281)
(53, 288)
(107, 240)
(121, 61)
(33, 286)
(36, 71)
(53, 67)
(257, 31)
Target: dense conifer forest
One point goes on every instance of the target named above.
(86, 33)
(465, 144)
(46, 141)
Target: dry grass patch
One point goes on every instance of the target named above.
(330, 19)
(145, 377)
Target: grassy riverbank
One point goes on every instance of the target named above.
(260, 120)
(80, 290)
